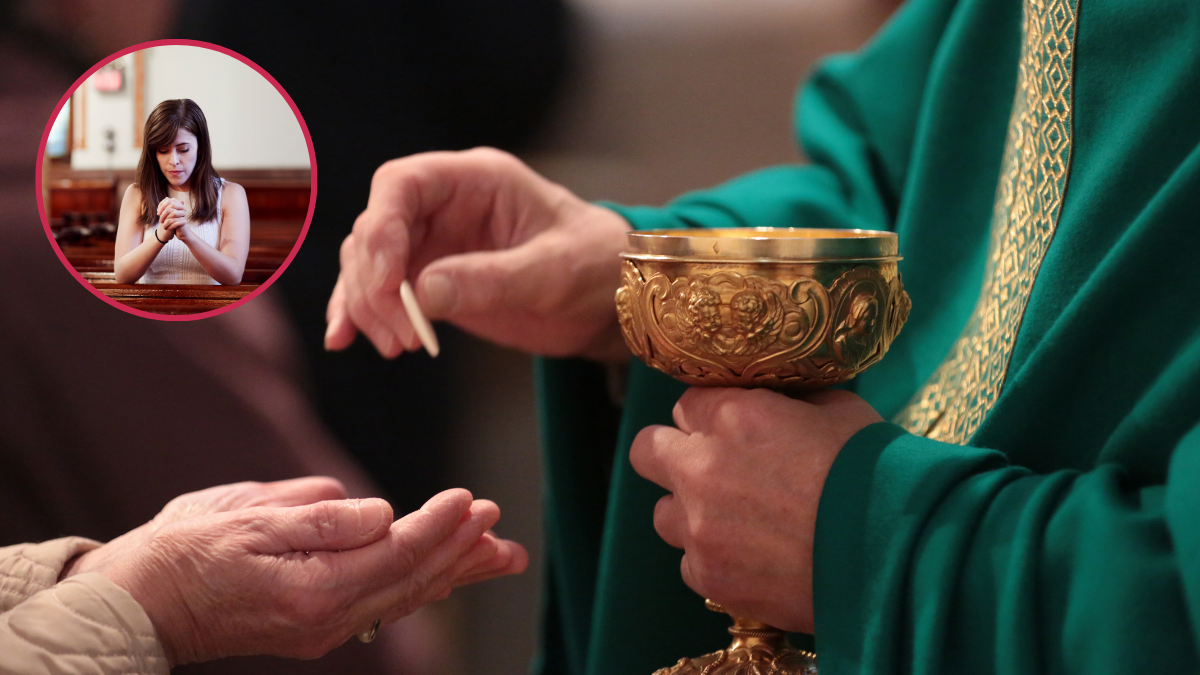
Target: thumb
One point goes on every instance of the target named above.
(422, 530)
(323, 526)
(482, 282)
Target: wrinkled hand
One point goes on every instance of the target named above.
(745, 470)
(490, 246)
(295, 492)
(270, 569)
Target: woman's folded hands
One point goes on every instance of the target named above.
(292, 568)
(172, 216)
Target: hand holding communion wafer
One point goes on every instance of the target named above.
(488, 245)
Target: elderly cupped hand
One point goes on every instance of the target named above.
(292, 568)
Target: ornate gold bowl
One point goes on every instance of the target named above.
(788, 309)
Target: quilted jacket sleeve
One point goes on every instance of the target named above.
(86, 625)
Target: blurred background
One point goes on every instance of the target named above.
(624, 100)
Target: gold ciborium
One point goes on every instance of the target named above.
(793, 310)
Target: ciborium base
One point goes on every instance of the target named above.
(757, 649)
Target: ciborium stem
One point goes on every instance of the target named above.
(757, 649)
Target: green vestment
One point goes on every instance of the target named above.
(1036, 506)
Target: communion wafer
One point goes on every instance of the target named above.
(420, 323)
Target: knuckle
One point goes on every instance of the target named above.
(760, 396)
(493, 156)
(738, 411)
(726, 413)
(325, 520)
(303, 607)
(389, 170)
(246, 494)
(707, 576)
(177, 503)
(360, 311)
(679, 412)
(346, 252)
(694, 573)
(661, 510)
(703, 475)
(331, 486)
(641, 448)
(405, 559)
(252, 519)
(688, 401)
(664, 523)
(366, 225)
(700, 533)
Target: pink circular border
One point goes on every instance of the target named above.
(312, 197)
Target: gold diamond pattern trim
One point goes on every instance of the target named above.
(1033, 179)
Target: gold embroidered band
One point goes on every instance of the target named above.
(1033, 178)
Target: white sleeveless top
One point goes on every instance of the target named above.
(175, 263)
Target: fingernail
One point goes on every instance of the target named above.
(381, 268)
(440, 294)
(332, 328)
(373, 514)
(388, 349)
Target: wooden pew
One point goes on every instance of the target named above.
(270, 244)
(175, 299)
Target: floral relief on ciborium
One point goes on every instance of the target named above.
(726, 328)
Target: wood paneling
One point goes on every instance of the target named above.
(277, 202)
(83, 196)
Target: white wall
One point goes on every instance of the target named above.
(249, 122)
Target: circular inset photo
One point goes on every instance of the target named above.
(176, 180)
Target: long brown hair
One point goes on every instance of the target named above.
(164, 123)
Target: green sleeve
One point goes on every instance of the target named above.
(937, 558)
(857, 118)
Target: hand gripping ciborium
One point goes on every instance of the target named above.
(793, 310)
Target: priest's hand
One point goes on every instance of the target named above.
(488, 245)
(745, 470)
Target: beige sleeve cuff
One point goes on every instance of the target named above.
(26, 569)
(86, 625)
